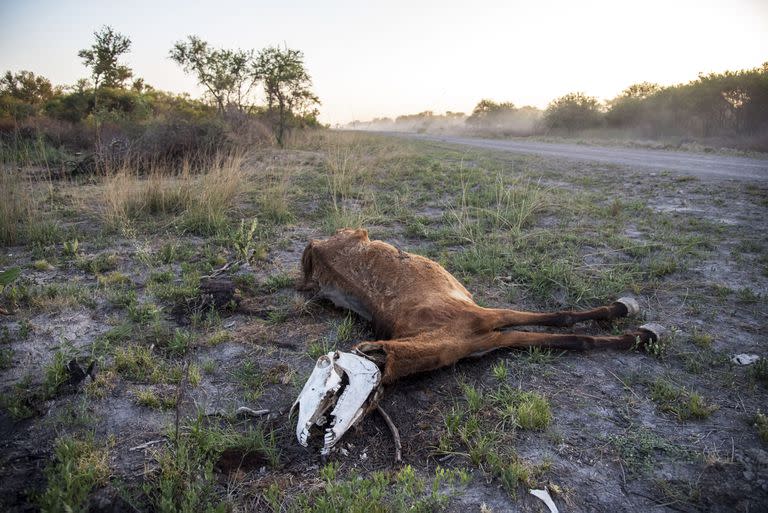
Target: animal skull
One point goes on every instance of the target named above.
(346, 382)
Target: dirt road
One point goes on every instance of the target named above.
(702, 166)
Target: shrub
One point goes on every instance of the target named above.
(574, 111)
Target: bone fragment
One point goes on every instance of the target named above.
(395, 434)
(245, 411)
(544, 496)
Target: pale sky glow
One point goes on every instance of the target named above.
(405, 57)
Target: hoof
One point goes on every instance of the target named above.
(631, 304)
(657, 331)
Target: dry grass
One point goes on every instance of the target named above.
(274, 193)
(16, 206)
(202, 201)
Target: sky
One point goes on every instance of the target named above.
(373, 59)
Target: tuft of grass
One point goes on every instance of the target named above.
(275, 282)
(701, 339)
(113, 279)
(16, 205)
(679, 401)
(185, 481)
(98, 264)
(346, 329)
(249, 376)
(41, 265)
(143, 313)
(78, 467)
(274, 196)
(56, 373)
(761, 424)
(759, 370)
(400, 492)
(500, 371)
(320, 347)
(151, 399)
(71, 248)
(639, 446)
(201, 202)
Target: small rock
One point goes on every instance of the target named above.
(745, 359)
(364, 456)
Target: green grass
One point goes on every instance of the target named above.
(275, 282)
(320, 347)
(157, 401)
(761, 425)
(484, 424)
(139, 364)
(250, 377)
(98, 264)
(78, 467)
(379, 492)
(185, 480)
(345, 330)
(640, 447)
(55, 373)
(677, 400)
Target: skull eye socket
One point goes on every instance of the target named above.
(323, 362)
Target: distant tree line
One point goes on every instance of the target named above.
(113, 103)
(729, 104)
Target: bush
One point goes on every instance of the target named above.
(574, 111)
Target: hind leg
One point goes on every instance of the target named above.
(498, 319)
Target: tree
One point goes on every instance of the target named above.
(488, 113)
(102, 58)
(287, 87)
(26, 87)
(23, 93)
(574, 111)
(227, 75)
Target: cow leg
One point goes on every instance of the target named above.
(440, 348)
(498, 319)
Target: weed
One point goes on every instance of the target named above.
(21, 401)
(345, 329)
(500, 371)
(143, 313)
(747, 295)
(250, 378)
(102, 385)
(56, 373)
(219, 337)
(701, 339)
(41, 265)
(638, 448)
(275, 282)
(150, 399)
(78, 467)
(761, 424)
(679, 401)
(161, 277)
(71, 248)
(759, 370)
(243, 241)
(6, 358)
(320, 347)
